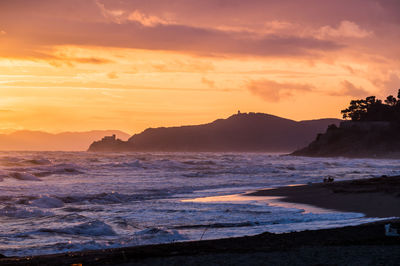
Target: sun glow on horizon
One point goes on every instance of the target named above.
(134, 69)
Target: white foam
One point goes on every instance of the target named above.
(93, 228)
(89, 200)
(134, 164)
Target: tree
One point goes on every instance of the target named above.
(390, 100)
(356, 111)
(372, 109)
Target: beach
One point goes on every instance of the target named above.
(375, 197)
(353, 245)
(364, 244)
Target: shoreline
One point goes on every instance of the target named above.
(366, 243)
(375, 197)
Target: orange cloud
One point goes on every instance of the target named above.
(346, 29)
(146, 20)
(208, 82)
(112, 75)
(390, 84)
(275, 91)
(349, 89)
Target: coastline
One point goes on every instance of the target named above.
(374, 197)
(362, 244)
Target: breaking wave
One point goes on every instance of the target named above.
(65, 201)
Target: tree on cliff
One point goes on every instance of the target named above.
(372, 109)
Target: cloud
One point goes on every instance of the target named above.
(146, 20)
(350, 89)
(273, 91)
(9, 49)
(171, 37)
(112, 75)
(389, 84)
(58, 61)
(239, 12)
(183, 66)
(119, 15)
(346, 29)
(208, 82)
(35, 29)
(102, 86)
(89, 60)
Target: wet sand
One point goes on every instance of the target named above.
(353, 245)
(375, 197)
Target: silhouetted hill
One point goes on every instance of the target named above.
(26, 140)
(240, 132)
(356, 139)
(373, 131)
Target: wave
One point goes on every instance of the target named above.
(217, 225)
(160, 234)
(33, 173)
(24, 176)
(22, 213)
(207, 162)
(63, 168)
(18, 161)
(113, 197)
(47, 202)
(92, 228)
(37, 161)
(75, 208)
(135, 164)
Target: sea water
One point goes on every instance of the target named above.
(54, 202)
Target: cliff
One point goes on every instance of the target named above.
(239, 132)
(356, 139)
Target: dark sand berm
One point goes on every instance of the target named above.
(375, 197)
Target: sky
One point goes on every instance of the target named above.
(76, 65)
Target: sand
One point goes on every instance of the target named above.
(353, 245)
(375, 197)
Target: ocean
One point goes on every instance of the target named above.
(53, 202)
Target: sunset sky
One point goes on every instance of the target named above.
(76, 65)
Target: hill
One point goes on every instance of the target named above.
(356, 139)
(26, 140)
(373, 131)
(239, 132)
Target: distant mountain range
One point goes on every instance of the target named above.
(26, 140)
(239, 132)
